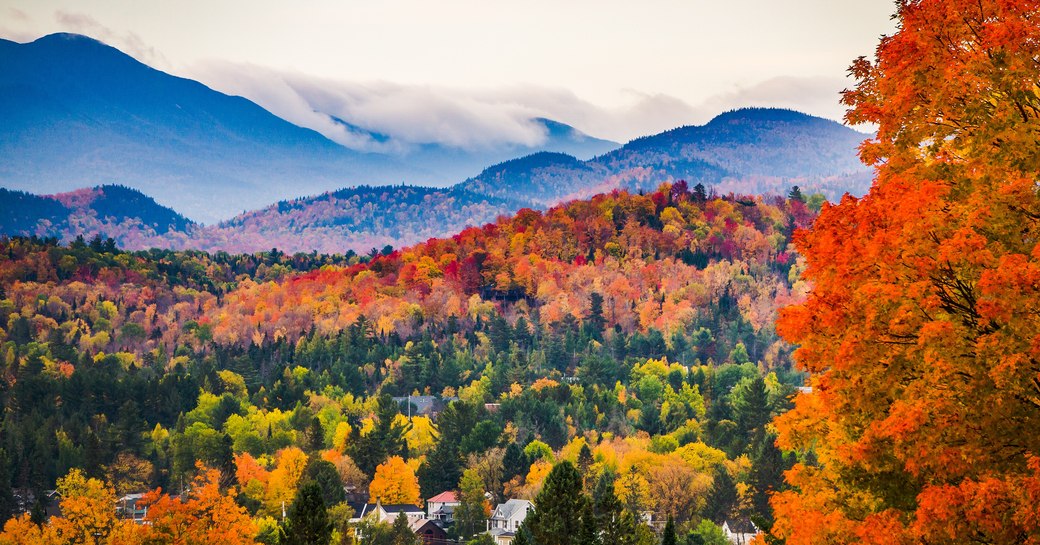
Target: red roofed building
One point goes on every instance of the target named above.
(442, 507)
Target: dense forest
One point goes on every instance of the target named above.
(629, 335)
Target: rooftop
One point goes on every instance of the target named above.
(444, 497)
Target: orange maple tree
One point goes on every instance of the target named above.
(206, 515)
(922, 330)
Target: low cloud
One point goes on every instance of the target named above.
(382, 116)
(128, 42)
(390, 117)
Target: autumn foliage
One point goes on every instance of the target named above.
(394, 483)
(921, 330)
(206, 515)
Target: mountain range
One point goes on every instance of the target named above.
(82, 114)
(77, 113)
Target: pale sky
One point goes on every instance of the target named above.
(616, 69)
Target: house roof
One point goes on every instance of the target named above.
(741, 526)
(365, 509)
(423, 404)
(444, 497)
(511, 508)
(402, 508)
(418, 524)
(446, 509)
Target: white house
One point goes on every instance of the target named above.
(506, 520)
(739, 531)
(387, 513)
(442, 507)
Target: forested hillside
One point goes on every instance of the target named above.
(630, 334)
(126, 215)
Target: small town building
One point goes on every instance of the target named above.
(506, 520)
(739, 531)
(130, 507)
(442, 507)
(430, 532)
(387, 513)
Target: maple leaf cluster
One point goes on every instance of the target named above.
(921, 328)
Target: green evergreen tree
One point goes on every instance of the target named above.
(595, 322)
(585, 462)
(401, 534)
(668, 537)
(767, 475)
(386, 438)
(307, 522)
(722, 497)
(514, 462)
(588, 533)
(315, 435)
(327, 478)
(558, 508)
(523, 536)
(752, 409)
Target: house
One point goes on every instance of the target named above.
(130, 507)
(429, 531)
(386, 513)
(442, 507)
(430, 406)
(739, 531)
(25, 502)
(502, 537)
(506, 520)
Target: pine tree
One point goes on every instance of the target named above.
(722, 497)
(594, 322)
(325, 475)
(752, 410)
(307, 522)
(767, 475)
(401, 534)
(668, 537)
(588, 533)
(558, 507)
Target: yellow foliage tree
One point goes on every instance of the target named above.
(395, 483)
(87, 510)
(283, 480)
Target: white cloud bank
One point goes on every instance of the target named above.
(478, 119)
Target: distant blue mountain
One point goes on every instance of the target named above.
(76, 112)
(750, 151)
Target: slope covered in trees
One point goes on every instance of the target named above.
(126, 215)
(628, 335)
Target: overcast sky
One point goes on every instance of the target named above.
(616, 69)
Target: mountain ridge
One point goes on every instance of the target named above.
(183, 142)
